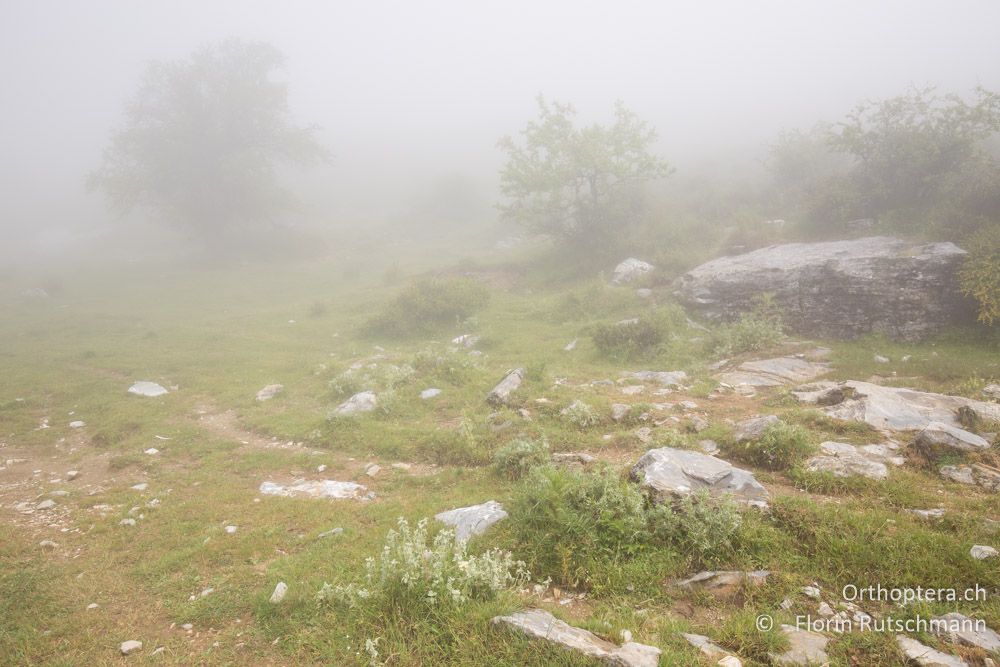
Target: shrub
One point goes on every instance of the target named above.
(428, 305)
(779, 447)
(384, 377)
(519, 457)
(697, 524)
(413, 571)
(629, 339)
(979, 275)
(580, 414)
(447, 364)
(757, 330)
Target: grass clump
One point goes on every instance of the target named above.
(636, 339)
(580, 414)
(517, 458)
(758, 330)
(580, 527)
(779, 447)
(429, 305)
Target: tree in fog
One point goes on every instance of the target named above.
(203, 140)
(578, 185)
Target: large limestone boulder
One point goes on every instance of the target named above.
(540, 624)
(678, 472)
(838, 289)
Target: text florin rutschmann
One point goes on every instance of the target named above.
(865, 623)
(878, 593)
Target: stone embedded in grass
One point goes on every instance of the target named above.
(540, 624)
(364, 401)
(326, 488)
(992, 391)
(127, 522)
(472, 520)
(981, 552)
(152, 451)
(77, 424)
(430, 392)
(723, 584)
(45, 505)
(142, 486)
(332, 533)
(269, 392)
(843, 460)
(937, 436)
(147, 389)
(92, 605)
(975, 474)
(629, 270)
(753, 428)
(619, 411)
(935, 513)
(465, 340)
(48, 544)
(959, 629)
(231, 530)
(879, 359)
(570, 346)
(279, 593)
(130, 647)
(663, 378)
(373, 469)
(72, 474)
(925, 655)
(677, 472)
(501, 394)
(774, 372)
(805, 648)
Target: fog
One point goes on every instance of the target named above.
(412, 97)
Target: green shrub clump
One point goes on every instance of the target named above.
(779, 447)
(757, 330)
(630, 339)
(429, 305)
(979, 275)
(517, 458)
(572, 526)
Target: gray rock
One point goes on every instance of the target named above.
(430, 392)
(753, 428)
(72, 474)
(333, 532)
(663, 378)
(723, 584)
(364, 401)
(892, 408)
(838, 289)
(326, 488)
(925, 656)
(629, 270)
(500, 394)
(147, 389)
(775, 372)
(269, 392)
(540, 624)
(708, 447)
(465, 340)
(981, 552)
(992, 391)
(706, 646)
(619, 411)
(879, 359)
(843, 460)
(77, 424)
(280, 590)
(45, 505)
(130, 647)
(937, 435)
(959, 629)
(472, 520)
(975, 474)
(573, 458)
(935, 513)
(570, 346)
(48, 544)
(805, 648)
(678, 472)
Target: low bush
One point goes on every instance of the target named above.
(979, 275)
(630, 339)
(517, 458)
(580, 414)
(429, 305)
(757, 330)
(779, 447)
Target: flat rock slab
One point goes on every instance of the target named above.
(662, 378)
(925, 656)
(844, 460)
(678, 472)
(774, 372)
(364, 401)
(723, 584)
(805, 648)
(325, 488)
(960, 629)
(501, 394)
(269, 392)
(541, 624)
(975, 474)
(147, 389)
(472, 520)
(753, 428)
(892, 408)
(937, 435)
(838, 289)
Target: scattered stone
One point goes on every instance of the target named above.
(644, 292)
(142, 486)
(127, 522)
(48, 544)
(633, 389)
(501, 393)
(629, 270)
(879, 359)
(774, 372)
(753, 428)
(430, 392)
(981, 552)
(147, 389)
(465, 340)
(130, 647)
(697, 423)
(72, 474)
(959, 629)
(936, 513)
(541, 624)
(843, 460)
(159, 650)
(152, 451)
(838, 289)
(892, 408)
(364, 401)
(326, 488)
(269, 392)
(663, 378)
(402, 466)
(992, 391)
(619, 411)
(321, 467)
(570, 346)
(723, 584)
(706, 646)
(372, 469)
(45, 505)
(77, 424)
(644, 434)
(805, 648)
(937, 436)
(279, 593)
(577, 459)
(231, 530)
(976, 473)
(708, 447)
(677, 472)
(92, 605)
(811, 592)
(472, 520)
(925, 656)
(331, 533)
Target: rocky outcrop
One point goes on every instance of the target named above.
(838, 289)
(774, 372)
(147, 389)
(844, 460)
(678, 472)
(540, 624)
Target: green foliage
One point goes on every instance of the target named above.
(755, 331)
(779, 447)
(429, 305)
(637, 339)
(520, 456)
(574, 526)
(979, 274)
(580, 414)
(412, 571)
(578, 184)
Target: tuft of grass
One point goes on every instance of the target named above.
(779, 447)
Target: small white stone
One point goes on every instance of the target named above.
(142, 486)
(48, 544)
(92, 605)
(372, 469)
(230, 529)
(980, 552)
(127, 522)
(46, 505)
(129, 647)
(879, 359)
(321, 468)
(188, 627)
(152, 451)
(72, 474)
(279, 592)
(77, 424)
